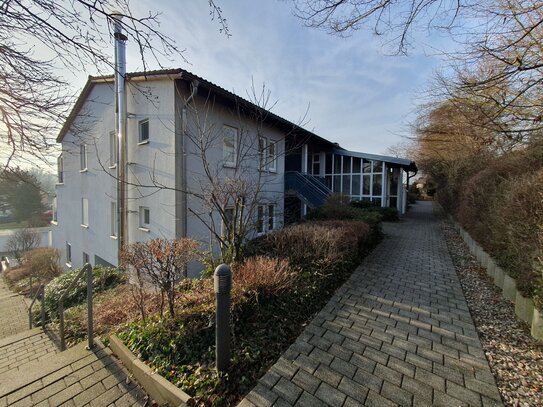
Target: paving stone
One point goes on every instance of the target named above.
(444, 400)
(353, 389)
(328, 375)
(396, 394)
(330, 395)
(464, 394)
(368, 380)
(306, 381)
(345, 368)
(287, 390)
(363, 362)
(308, 400)
(376, 400)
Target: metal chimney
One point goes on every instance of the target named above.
(120, 130)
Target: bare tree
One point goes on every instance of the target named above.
(163, 262)
(235, 190)
(40, 37)
(393, 19)
(22, 241)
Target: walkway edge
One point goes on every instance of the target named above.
(524, 307)
(160, 389)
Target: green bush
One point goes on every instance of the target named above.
(104, 278)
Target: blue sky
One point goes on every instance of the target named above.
(357, 95)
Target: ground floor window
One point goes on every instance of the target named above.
(265, 218)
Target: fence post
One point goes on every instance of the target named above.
(30, 287)
(42, 288)
(90, 333)
(222, 285)
(61, 325)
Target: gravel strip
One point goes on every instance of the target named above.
(516, 359)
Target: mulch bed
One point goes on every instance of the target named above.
(516, 359)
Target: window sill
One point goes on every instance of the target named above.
(144, 229)
(69, 265)
(54, 222)
(112, 167)
(59, 184)
(229, 165)
(141, 143)
(83, 170)
(113, 237)
(85, 226)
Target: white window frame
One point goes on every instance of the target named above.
(144, 226)
(265, 218)
(262, 153)
(223, 224)
(60, 170)
(260, 219)
(55, 212)
(85, 212)
(83, 159)
(113, 149)
(229, 131)
(142, 140)
(272, 155)
(68, 254)
(113, 220)
(270, 224)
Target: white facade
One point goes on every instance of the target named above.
(165, 171)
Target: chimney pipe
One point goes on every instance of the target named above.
(120, 130)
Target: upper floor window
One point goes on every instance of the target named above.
(84, 212)
(272, 156)
(83, 157)
(60, 169)
(267, 154)
(55, 215)
(262, 152)
(143, 131)
(230, 143)
(113, 149)
(145, 217)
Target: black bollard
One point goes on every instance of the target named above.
(222, 285)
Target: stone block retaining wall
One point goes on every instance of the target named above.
(524, 307)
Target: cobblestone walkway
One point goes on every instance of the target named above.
(13, 312)
(398, 332)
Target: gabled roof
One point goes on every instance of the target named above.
(173, 74)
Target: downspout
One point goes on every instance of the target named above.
(120, 130)
(193, 91)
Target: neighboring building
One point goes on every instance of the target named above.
(184, 134)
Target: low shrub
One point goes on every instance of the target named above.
(43, 263)
(262, 277)
(325, 244)
(104, 278)
(16, 278)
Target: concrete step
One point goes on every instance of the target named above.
(20, 349)
(76, 377)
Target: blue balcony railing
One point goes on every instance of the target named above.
(308, 188)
